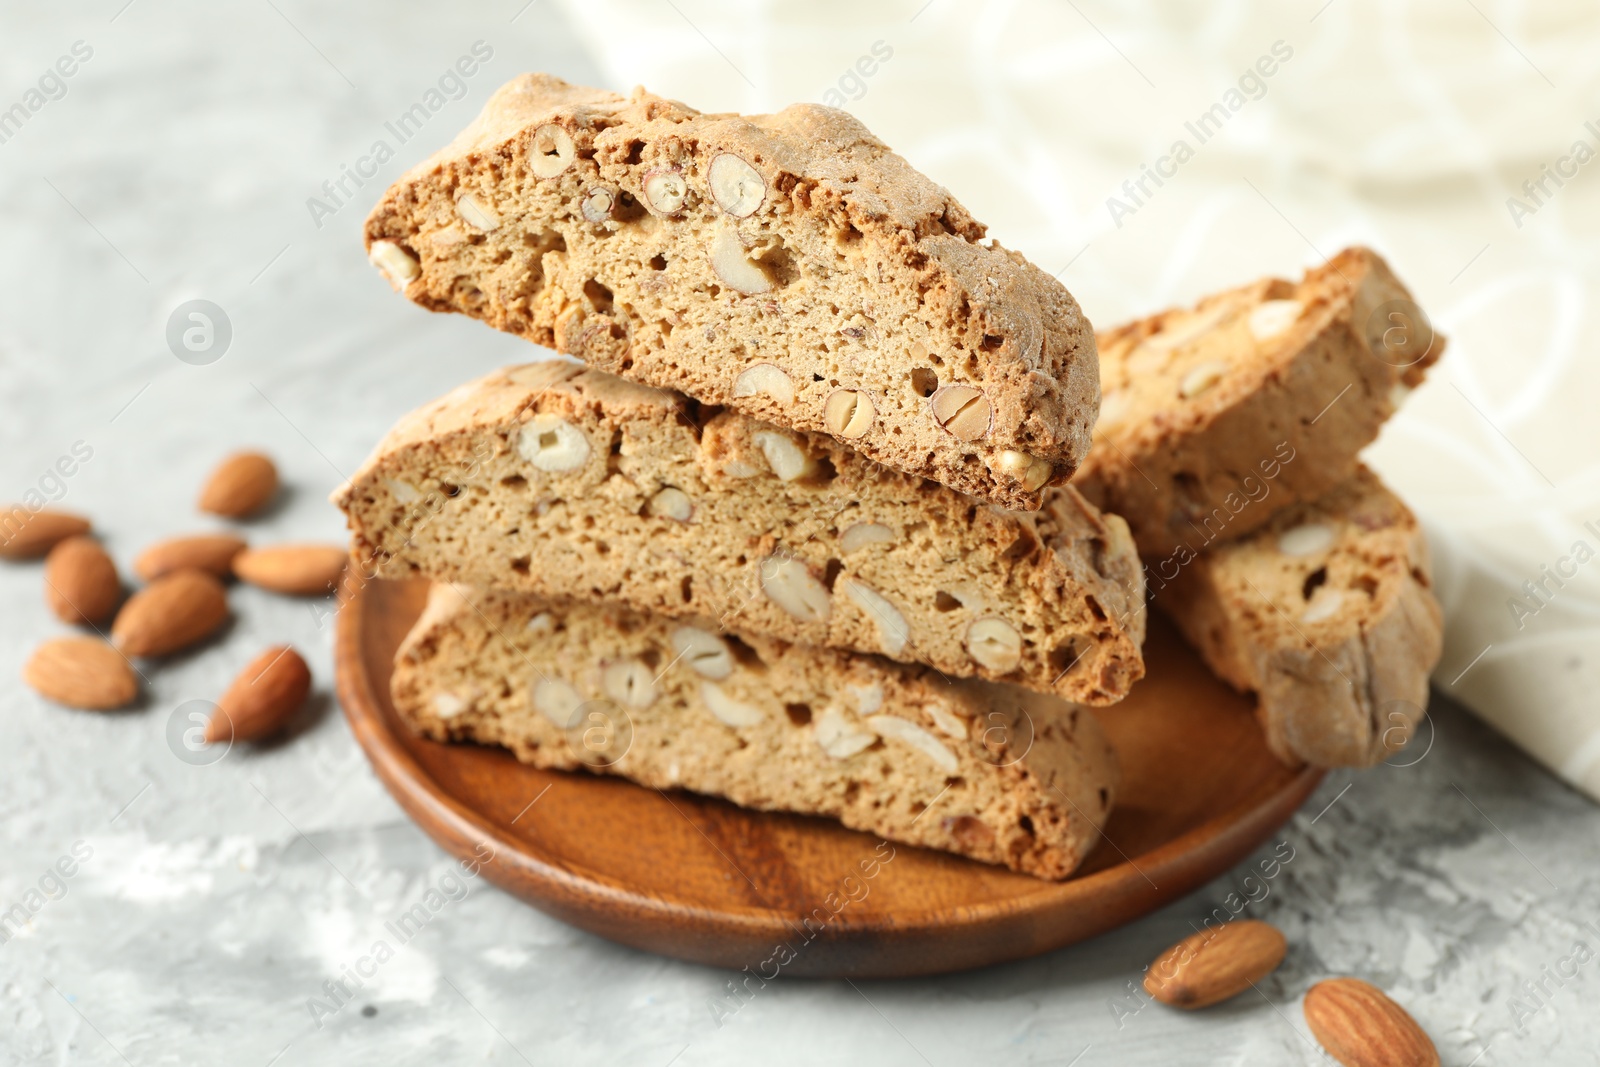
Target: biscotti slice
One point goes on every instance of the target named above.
(1260, 397)
(786, 266)
(1326, 614)
(992, 772)
(564, 481)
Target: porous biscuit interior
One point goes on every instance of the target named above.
(1327, 614)
(565, 481)
(991, 772)
(1214, 417)
(789, 266)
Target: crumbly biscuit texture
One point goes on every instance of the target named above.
(763, 263)
(1216, 417)
(567, 482)
(1327, 614)
(995, 773)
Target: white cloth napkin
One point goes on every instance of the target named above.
(1411, 127)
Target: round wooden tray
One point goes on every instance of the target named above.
(702, 880)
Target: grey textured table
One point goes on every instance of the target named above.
(211, 903)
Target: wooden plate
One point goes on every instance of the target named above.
(702, 880)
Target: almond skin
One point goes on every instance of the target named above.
(170, 614)
(1210, 966)
(80, 582)
(263, 699)
(296, 570)
(212, 553)
(26, 534)
(81, 672)
(242, 485)
(1361, 1027)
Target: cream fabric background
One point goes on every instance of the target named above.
(1406, 126)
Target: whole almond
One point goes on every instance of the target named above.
(263, 698)
(1210, 966)
(212, 553)
(170, 614)
(297, 570)
(242, 485)
(80, 582)
(29, 534)
(1361, 1027)
(81, 672)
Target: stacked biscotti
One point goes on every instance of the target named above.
(811, 520)
(1229, 438)
(795, 526)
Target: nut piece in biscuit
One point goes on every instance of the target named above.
(476, 213)
(736, 186)
(551, 152)
(995, 644)
(784, 456)
(671, 503)
(736, 269)
(894, 728)
(863, 534)
(893, 631)
(962, 410)
(848, 413)
(598, 203)
(1325, 604)
(665, 190)
(1271, 318)
(1178, 332)
(764, 379)
(1201, 379)
(1307, 539)
(789, 583)
(557, 701)
(949, 724)
(728, 710)
(1031, 471)
(704, 652)
(629, 683)
(839, 738)
(552, 444)
(397, 265)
